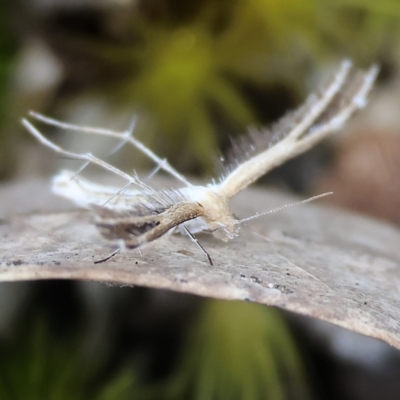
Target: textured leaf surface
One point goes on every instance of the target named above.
(312, 260)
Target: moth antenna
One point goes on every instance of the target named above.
(84, 157)
(198, 244)
(289, 205)
(124, 136)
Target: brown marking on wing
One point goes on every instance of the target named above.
(142, 226)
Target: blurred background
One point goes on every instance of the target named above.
(195, 74)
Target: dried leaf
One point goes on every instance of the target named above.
(311, 260)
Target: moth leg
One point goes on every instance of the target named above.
(125, 136)
(197, 243)
(108, 257)
(121, 249)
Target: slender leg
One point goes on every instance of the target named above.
(108, 257)
(197, 243)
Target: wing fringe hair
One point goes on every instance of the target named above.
(323, 112)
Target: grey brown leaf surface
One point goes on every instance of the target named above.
(311, 260)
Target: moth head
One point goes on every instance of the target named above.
(226, 231)
(217, 215)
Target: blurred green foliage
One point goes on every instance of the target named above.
(8, 49)
(236, 351)
(34, 364)
(233, 350)
(187, 68)
(198, 72)
(180, 75)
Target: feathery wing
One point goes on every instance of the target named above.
(324, 112)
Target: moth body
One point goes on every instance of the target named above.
(137, 217)
(216, 214)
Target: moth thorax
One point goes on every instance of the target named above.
(216, 212)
